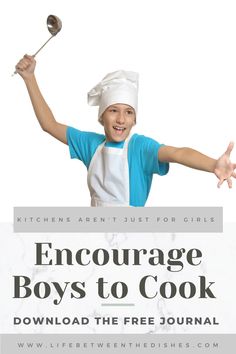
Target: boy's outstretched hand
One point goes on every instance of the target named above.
(224, 168)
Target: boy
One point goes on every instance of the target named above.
(120, 166)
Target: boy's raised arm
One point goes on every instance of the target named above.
(223, 168)
(25, 68)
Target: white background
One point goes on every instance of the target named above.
(185, 54)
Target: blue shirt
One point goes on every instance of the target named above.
(142, 159)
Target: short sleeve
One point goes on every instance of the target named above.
(82, 145)
(149, 156)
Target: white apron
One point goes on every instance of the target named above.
(108, 176)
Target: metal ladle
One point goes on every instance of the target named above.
(54, 26)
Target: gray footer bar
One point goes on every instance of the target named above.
(118, 343)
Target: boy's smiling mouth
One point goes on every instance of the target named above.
(120, 129)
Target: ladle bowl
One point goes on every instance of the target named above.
(54, 24)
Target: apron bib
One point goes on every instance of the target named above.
(108, 176)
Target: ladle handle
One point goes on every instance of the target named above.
(43, 46)
(15, 72)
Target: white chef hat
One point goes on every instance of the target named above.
(117, 87)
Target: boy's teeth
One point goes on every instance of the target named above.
(119, 128)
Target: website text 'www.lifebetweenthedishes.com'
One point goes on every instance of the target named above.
(149, 343)
(117, 345)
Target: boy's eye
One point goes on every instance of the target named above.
(130, 112)
(113, 110)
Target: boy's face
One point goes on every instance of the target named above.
(118, 120)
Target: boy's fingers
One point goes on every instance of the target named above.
(26, 60)
(22, 66)
(19, 66)
(24, 63)
(29, 57)
(229, 181)
(230, 148)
